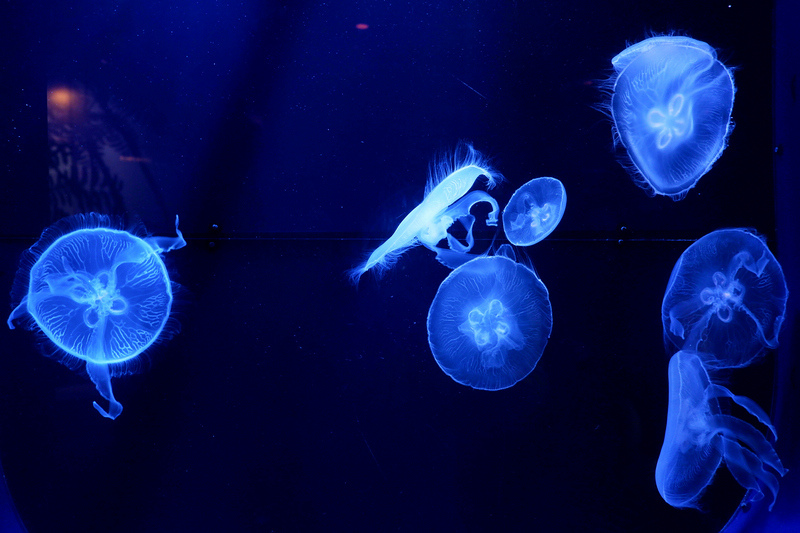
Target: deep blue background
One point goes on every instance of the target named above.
(290, 142)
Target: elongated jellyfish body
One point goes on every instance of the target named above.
(447, 199)
(699, 436)
(489, 323)
(726, 298)
(671, 105)
(100, 294)
(534, 211)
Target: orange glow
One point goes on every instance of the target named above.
(362, 26)
(62, 98)
(133, 159)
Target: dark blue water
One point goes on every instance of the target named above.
(291, 143)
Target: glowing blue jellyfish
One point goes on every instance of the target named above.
(671, 105)
(447, 199)
(699, 437)
(101, 295)
(726, 298)
(534, 211)
(489, 322)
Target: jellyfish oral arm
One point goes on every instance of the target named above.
(167, 244)
(18, 311)
(460, 210)
(101, 378)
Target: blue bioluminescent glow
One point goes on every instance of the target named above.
(699, 437)
(726, 298)
(100, 294)
(447, 199)
(534, 211)
(489, 323)
(671, 104)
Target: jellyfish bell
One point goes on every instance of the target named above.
(534, 211)
(447, 199)
(101, 295)
(699, 436)
(489, 322)
(726, 298)
(671, 106)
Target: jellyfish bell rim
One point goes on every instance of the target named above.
(668, 463)
(544, 334)
(562, 207)
(136, 241)
(689, 259)
(634, 162)
(135, 230)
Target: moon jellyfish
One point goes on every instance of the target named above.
(671, 105)
(489, 322)
(100, 294)
(447, 199)
(699, 437)
(534, 211)
(726, 298)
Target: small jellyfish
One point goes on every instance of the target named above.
(671, 105)
(489, 322)
(100, 294)
(534, 211)
(726, 298)
(699, 437)
(447, 199)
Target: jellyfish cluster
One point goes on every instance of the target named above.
(99, 294)
(723, 308)
(671, 104)
(490, 319)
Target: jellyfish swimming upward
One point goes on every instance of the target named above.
(534, 211)
(699, 436)
(447, 199)
(100, 294)
(671, 105)
(726, 299)
(489, 322)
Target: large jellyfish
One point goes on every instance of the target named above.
(447, 199)
(699, 437)
(671, 105)
(534, 211)
(100, 294)
(489, 322)
(726, 298)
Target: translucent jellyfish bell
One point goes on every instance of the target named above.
(100, 294)
(726, 298)
(699, 437)
(489, 323)
(671, 105)
(447, 199)
(534, 211)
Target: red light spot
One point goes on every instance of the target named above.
(362, 26)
